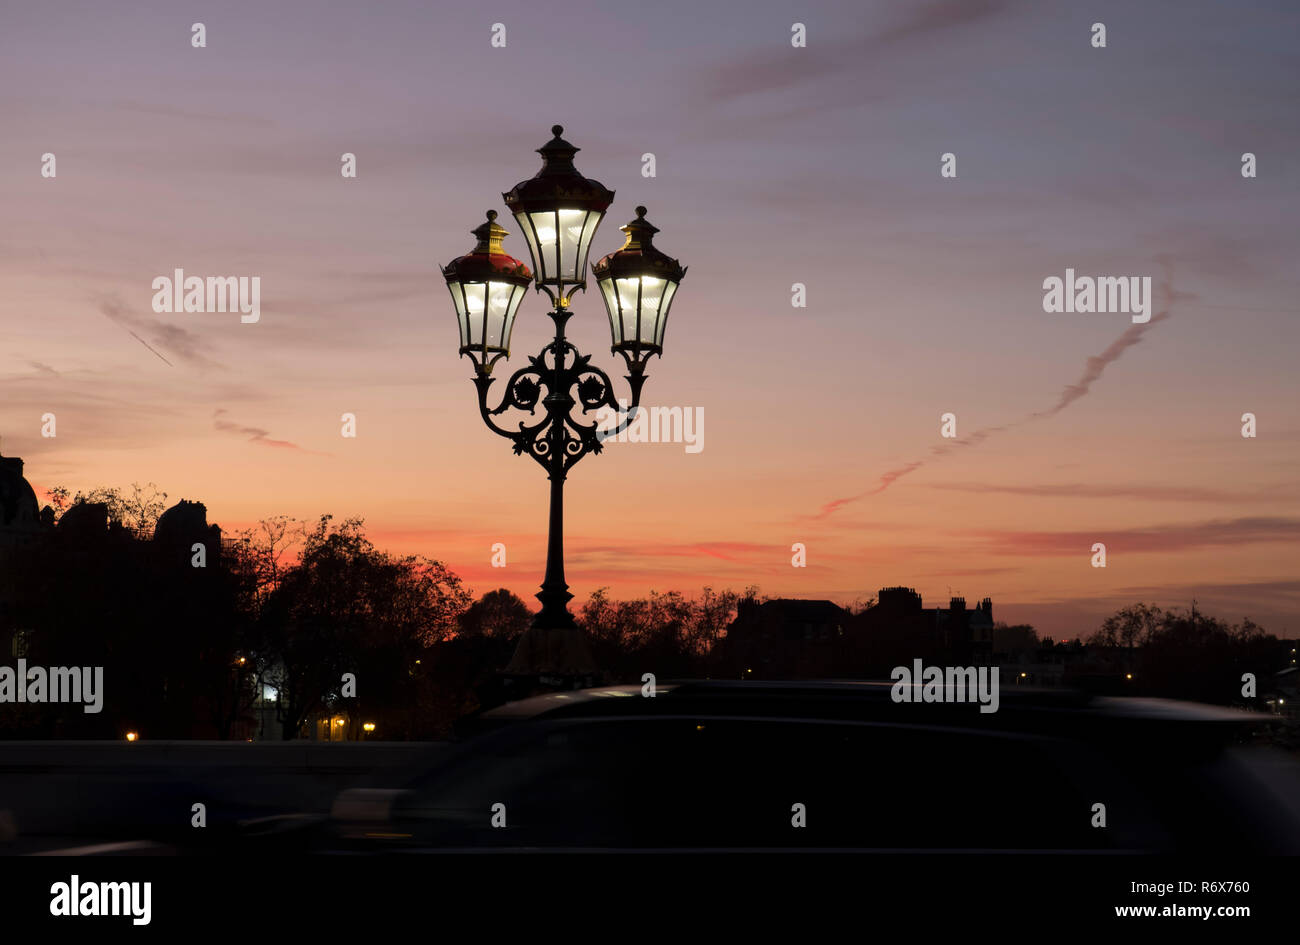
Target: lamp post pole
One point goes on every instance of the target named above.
(555, 595)
(559, 210)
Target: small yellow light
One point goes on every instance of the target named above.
(1128, 675)
(1023, 675)
(131, 736)
(369, 726)
(240, 661)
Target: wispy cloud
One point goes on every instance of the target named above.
(1159, 493)
(1218, 533)
(254, 434)
(768, 70)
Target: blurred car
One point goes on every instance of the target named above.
(835, 766)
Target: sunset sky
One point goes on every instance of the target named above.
(775, 165)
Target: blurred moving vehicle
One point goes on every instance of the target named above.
(834, 766)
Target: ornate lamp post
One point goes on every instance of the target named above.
(558, 212)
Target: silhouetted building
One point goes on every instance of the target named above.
(898, 629)
(20, 516)
(21, 522)
(818, 639)
(88, 591)
(85, 520)
(785, 639)
(180, 528)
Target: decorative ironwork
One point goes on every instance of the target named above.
(563, 384)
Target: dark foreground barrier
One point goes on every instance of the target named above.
(51, 788)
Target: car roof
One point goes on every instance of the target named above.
(848, 700)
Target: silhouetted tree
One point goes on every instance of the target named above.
(256, 556)
(137, 510)
(1188, 654)
(499, 614)
(665, 633)
(861, 604)
(713, 613)
(1130, 626)
(348, 608)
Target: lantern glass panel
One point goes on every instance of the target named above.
(498, 301)
(542, 229)
(588, 231)
(611, 306)
(629, 306)
(559, 241)
(474, 295)
(669, 291)
(571, 226)
(498, 306)
(459, 302)
(652, 293)
(505, 300)
(644, 295)
(526, 224)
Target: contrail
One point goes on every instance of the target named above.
(1093, 369)
(150, 347)
(179, 341)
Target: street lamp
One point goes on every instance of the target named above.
(486, 286)
(558, 211)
